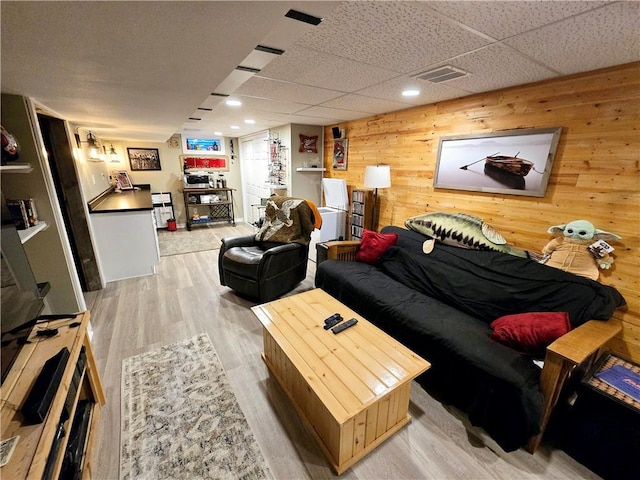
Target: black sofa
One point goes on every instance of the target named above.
(440, 305)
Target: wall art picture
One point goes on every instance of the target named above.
(203, 145)
(192, 161)
(340, 148)
(144, 158)
(511, 162)
(308, 144)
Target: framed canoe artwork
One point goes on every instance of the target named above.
(511, 162)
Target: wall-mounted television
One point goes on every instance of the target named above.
(203, 145)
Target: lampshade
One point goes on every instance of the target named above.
(377, 176)
(94, 154)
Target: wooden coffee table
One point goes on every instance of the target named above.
(351, 389)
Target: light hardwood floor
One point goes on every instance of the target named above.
(185, 298)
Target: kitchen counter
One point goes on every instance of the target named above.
(112, 200)
(125, 235)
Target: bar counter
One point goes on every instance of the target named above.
(124, 230)
(112, 200)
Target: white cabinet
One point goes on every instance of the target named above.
(127, 244)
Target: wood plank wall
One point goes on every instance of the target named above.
(595, 175)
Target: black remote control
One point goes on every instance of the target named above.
(344, 326)
(332, 318)
(333, 323)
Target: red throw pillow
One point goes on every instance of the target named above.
(374, 244)
(531, 332)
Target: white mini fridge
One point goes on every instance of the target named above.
(334, 214)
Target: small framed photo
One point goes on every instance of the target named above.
(124, 182)
(144, 159)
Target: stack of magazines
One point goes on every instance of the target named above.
(622, 378)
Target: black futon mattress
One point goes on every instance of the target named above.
(440, 305)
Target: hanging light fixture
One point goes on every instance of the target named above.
(92, 145)
(113, 155)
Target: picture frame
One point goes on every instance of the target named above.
(123, 180)
(144, 159)
(219, 164)
(340, 149)
(510, 162)
(203, 145)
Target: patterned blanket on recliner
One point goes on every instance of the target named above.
(287, 220)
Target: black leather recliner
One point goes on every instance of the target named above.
(272, 262)
(261, 271)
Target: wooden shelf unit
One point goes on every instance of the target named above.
(210, 212)
(361, 212)
(36, 440)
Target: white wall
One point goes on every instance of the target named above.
(48, 252)
(94, 177)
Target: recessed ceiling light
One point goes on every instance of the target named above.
(411, 92)
(235, 127)
(249, 121)
(217, 133)
(233, 103)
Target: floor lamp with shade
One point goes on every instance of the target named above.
(376, 176)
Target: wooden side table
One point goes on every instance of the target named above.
(601, 430)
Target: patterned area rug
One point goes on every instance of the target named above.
(180, 418)
(183, 241)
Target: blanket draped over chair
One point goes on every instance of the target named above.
(287, 220)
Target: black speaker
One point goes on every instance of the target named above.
(36, 406)
(336, 132)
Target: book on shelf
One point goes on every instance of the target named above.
(358, 196)
(23, 212)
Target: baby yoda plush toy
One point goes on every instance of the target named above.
(570, 251)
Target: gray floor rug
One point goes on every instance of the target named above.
(180, 418)
(183, 241)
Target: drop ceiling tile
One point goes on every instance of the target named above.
(233, 81)
(308, 120)
(267, 105)
(319, 69)
(332, 113)
(212, 101)
(290, 92)
(360, 103)
(596, 39)
(504, 19)
(258, 59)
(493, 67)
(429, 92)
(400, 36)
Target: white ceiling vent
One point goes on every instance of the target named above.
(441, 74)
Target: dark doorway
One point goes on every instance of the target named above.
(65, 178)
